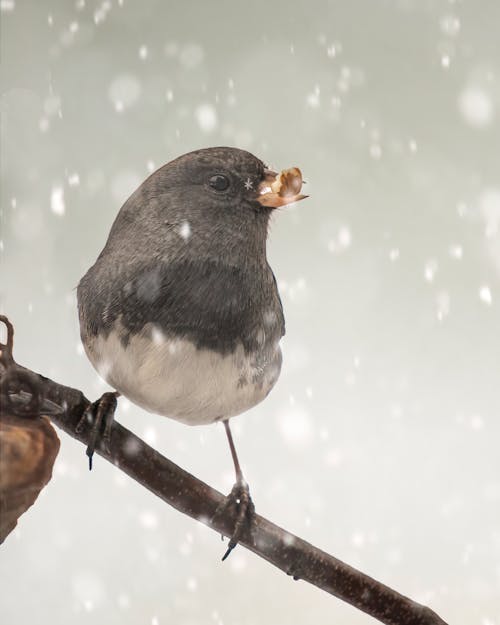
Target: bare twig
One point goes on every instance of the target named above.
(183, 491)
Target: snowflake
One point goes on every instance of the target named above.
(248, 184)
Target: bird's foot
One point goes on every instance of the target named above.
(239, 499)
(100, 414)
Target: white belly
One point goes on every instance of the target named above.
(175, 379)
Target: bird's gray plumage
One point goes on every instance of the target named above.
(186, 262)
(188, 259)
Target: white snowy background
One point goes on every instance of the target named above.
(380, 443)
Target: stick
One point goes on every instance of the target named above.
(22, 391)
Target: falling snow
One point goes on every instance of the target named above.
(206, 117)
(296, 428)
(394, 254)
(313, 98)
(185, 230)
(342, 240)
(476, 106)
(73, 180)
(6, 6)
(485, 295)
(456, 251)
(387, 405)
(431, 267)
(450, 25)
(57, 201)
(149, 520)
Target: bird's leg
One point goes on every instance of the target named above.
(239, 496)
(101, 414)
(237, 469)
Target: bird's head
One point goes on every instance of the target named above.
(224, 195)
(226, 176)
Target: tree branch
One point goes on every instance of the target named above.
(25, 392)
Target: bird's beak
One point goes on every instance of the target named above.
(281, 189)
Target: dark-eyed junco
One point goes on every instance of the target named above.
(181, 313)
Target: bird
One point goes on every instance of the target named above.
(181, 312)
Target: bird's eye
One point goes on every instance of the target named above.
(219, 182)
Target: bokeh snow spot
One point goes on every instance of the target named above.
(393, 254)
(456, 251)
(476, 422)
(431, 267)
(7, 6)
(332, 51)
(206, 116)
(57, 201)
(450, 25)
(73, 179)
(157, 335)
(341, 241)
(295, 427)
(148, 520)
(485, 295)
(131, 447)
(185, 230)
(313, 98)
(445, 61)
(149, 435)
(476, 106)
(102, 11)
(125, 404)
(238, 562)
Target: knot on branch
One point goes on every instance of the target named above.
(21, 392)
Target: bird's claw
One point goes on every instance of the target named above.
(101, 415)
(238, 498)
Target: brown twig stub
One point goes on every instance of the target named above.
(7, 348)
(192, 497)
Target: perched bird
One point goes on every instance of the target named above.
(181, 312)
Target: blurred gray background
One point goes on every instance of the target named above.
(380, 442)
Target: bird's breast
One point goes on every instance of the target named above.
(175, 378)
